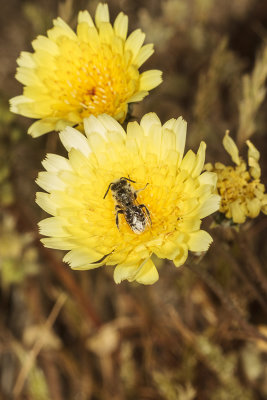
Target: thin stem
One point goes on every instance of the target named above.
(38, 346)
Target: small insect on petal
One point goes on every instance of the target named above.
(136, 215)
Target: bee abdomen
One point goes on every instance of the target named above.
(136, 219)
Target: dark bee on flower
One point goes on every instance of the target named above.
(136, 215)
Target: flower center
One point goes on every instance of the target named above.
(91, 80)
(234, 184)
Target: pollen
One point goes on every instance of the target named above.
(101, 82)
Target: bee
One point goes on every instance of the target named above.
(136, 215)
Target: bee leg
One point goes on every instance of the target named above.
(139, 190)
(119, 211)
(146, 210)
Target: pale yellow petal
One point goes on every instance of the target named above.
(110, 124)
(135, 132)
(15, 103)
(71, 138)
(45, 44)
(199, 241)
(84, 32)
(255, 170)
(65, 28)
(167, 143)
(27, 76)
(101, 14)
(45, 202)
(170, 247)
(26, 60)
(85, 17)
(150, 79)
(53, 227)
(86, 267)
(237, 211)
(138, 96)
(253, 158)
(91, 36)
(148, 121)
(93, 124)
(190, 224)
(200, 159)
(96, 143)
(170, 123)
(231, 148)
(106, 33)
(264, 204)
(182, 256)
(134, 42)
(40, 127)
(57, 243)
(49, 181)
(180, 127)
(121, 25)
(78, 161)
(147, 274)
(208, 178)
(83, 259)
(144, 53)
(156, 138)
(252, 151)
(123, 272)
(54, 163)
(254, 207)
(211, 205)
(188, 161)
(35, 109)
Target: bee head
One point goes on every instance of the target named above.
(123, 181)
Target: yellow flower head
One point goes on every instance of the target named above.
(71, 76)
(119, 197)
(242, 194)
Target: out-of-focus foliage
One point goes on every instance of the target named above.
(254, 91)
(6, 194)
(18, 256)
(222, 74)
(200, 332)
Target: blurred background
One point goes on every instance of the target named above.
(200, 332)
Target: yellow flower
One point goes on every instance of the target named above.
(242, 194)
(72, 76)
(172, 196)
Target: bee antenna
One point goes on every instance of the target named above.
(107, 190)
(128, 179)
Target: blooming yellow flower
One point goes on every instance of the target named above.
(99, 228)
(242, 194)
(71, 76)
